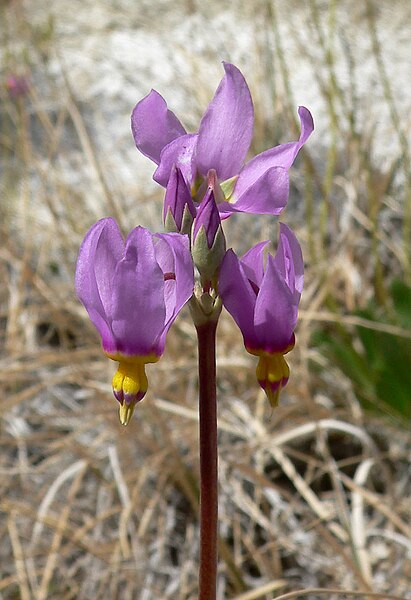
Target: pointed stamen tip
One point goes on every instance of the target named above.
(273, 398)
(272, 375)
(130, 385)
(125, 413)
(272, 391)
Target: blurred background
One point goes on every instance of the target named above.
(314, 494)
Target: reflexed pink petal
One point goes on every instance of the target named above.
(238, 296)
(253, 263)
(101, 249)
(154, 126)
(179, 152)
(267, 195)
(280, 156)
(275, 312)
(109, 250)
(173, 256)
(289, 260)
(165, 258)
(227, 126)
(139, 311)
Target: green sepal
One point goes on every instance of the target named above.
(227, 187)
(169, 223)
(204, 307)
(208, 260)
(187, 221)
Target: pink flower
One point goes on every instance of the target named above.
(260, 186)
(17, 85)
(133, 292)
(264, 304)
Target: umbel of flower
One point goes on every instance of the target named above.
(132, 292)
(260, 186)
(264, 304)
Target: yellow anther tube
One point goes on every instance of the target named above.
(130, 382)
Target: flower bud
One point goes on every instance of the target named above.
(179, 210)
(208, 244)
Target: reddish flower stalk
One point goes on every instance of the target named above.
(208, 460)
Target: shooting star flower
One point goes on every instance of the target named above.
(260, 186)
(133, 291)
(264, 304)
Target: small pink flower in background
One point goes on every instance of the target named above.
(133, 292)
(17, 85)
(264, 304)
(260, 186)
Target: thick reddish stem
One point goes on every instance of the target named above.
(208, 460)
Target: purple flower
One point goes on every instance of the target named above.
(17, 85)
(132, 292)
(264, 304)
(260, 186)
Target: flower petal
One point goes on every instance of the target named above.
(238, 296)
(275, 314)
(100, 251)
(226, 128)
(267, 195)
(173, 256)
(139, 309)
(154, 126)
(280, 156)
(253, 263)
(289, 260)
(179, 152)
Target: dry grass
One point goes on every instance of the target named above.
(314, 495)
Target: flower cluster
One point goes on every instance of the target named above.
(134, 290)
